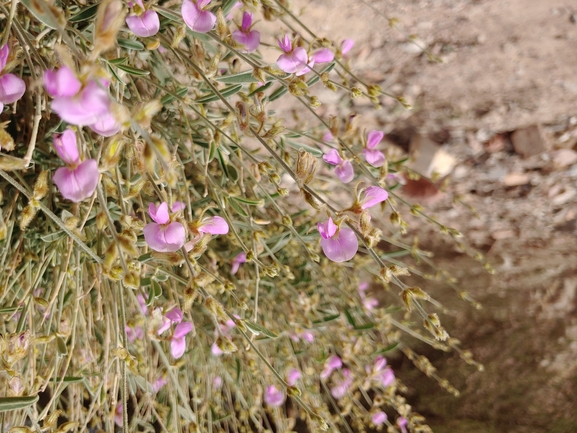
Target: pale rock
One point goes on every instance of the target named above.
(516, 179)
(530, 141)
(564, 157)
(428, 157)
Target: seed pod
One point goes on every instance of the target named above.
(28, 214)
(41, 185)
(109, 19)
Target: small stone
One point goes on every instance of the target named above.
(502, 234)
(564, 157)
(516, 179)
(530, 141)
(427, 157)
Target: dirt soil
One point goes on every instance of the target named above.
(505, 64)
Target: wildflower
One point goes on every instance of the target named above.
(225, 329)
(78, 180)
(340, 390)
(373, 195)
(78, 104)
(217, 382)
(338, 244)
(379, 417)
(273, 397)
(245, 36)
(118, 415)
(213, 225)
(327, 136)
(331, 364)
(402, 423)
(158, 384)
(374, 157)
(381, 373)
(294, 59)
(12, 87)
(136, 333)
(237, 261)
(178, 342)
(323, 55)
(163, 235)
(293, 376)
(142, 22)
(346, 46)
(305, 335)
(195, 17)
(344, 169)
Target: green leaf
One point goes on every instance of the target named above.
(61, 346)
(387, 349)
(167, 13)
(133, 71)
(248, 201)
(44, 12)
(350, 318)
(225, 93)
(69, 379)
(9, 309)
(15, 403)
(364, 327)
(130, 44)
(85, 14)
(277, 93)
(180, 92)
(238, 208)
(257, 329)
(328, 318)
(51, 237)
(241, 77)
(118, 61)
(154, 292)
(261, 88)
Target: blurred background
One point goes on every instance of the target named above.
(493, 86)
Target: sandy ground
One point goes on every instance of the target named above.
(505, 64)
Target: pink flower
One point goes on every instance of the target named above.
(339, 245)
(163, 235)
(344, 170)
(174, 315)
(214, 225)
(196, 18)
(374, 157)
(134, 333)
(237, 261)
(373, 195)
(158, 384)
(87, 105)
(293, 376)
(402, 423)
(245, 36)
(346, 46)
(293, 60)
(142, 22)
(341, 388)
(118, 419)
(331, 364)
(322, 55)
(327, 136)
(12, 87)
(383, 374)
(78, 180)
(379, 418)
(273, 397)
(178, 342)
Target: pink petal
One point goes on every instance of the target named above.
(107, 126)
(250, 40)
(341, 247)
(379, 418)
(293, 376)
(285, 44)
(195, 18)
(387, 378)
(332, 157)
(402, 423)
(118, 419)
(79, 183)
(380, 363)
(346, 46)
(363, 286)
(237, 261)
(65, 145)
(306, 69)
(174, 315)
(11, 88)
(327, 136)
(323, 55)
(374, 137)
(158, 384)
(182, 329)
(374, 157)
(159, 214)
(62, 82)
(164, 326)
(178, 206)
(293, 62)
(215, 350)
(327, 229)
(86, 108)
(273, 397)
(164, 238)
(177, 347)
(345, 172)
(4, 52)
(334, 362)
(214, 225)
(373, 195)
(308, 336)
(144, 25)
(246, 22)
(1, 107)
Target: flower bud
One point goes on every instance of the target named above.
(109, 19)
(41, 185)
(306, 168)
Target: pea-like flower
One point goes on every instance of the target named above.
(177, 341)
(372, 196)
(322, 55)
(293, 376)
(237, 261)
(331, 364)
(294, 59)
(274, 397)
(379, 418)
(196, 17)
(340, 389)
(245, 36)
(338, 244)
(142, 22)
(213, 225)
(373, 156)
(77, 180)
(164, 235)
(12, 87)
(344, 170)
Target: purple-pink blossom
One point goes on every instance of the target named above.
(344, 170)
(142, 22)
(373, 156)
(77, 180)
(213, 225)
(78, 104)
(340, 389)
(322, 55)
(379, 418)
(237, 261)
(196, 17)
(293, 376)
(346, 46)
(372, 196)
(402, 423)
(383, 374)
(12, 87)
(164, 235)
(273, 397)
(331, 364)
(294, 59)
(245, 36)
(339, 245)
(178, 341)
